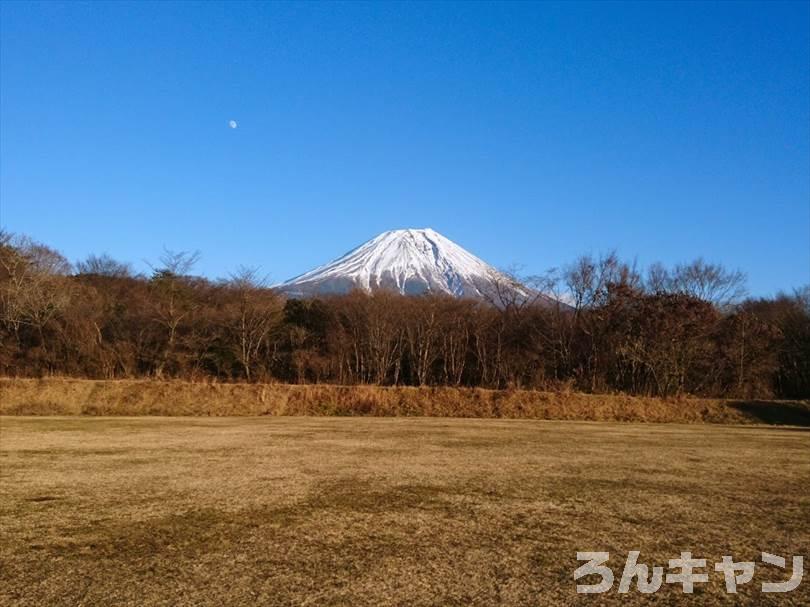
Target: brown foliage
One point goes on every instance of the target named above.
(674, 333)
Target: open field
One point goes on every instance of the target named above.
(370, 511)
(64, 396)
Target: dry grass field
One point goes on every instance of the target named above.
(135, 397)
(385, 511)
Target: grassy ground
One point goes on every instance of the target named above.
(67, 396)
(369, 511)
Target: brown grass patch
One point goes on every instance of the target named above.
(362, 511)
(60, 396)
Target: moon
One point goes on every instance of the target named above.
(232, 124)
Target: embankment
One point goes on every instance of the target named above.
(63, 396)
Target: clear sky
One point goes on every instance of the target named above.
(527, 133)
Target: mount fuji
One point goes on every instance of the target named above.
(409, 262)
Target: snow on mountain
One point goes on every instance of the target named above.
(410, 262)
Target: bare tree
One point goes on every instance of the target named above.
(658, 279)
(256, 311)
(173, 302)
(708, 281)
(32, 292)
(454, 323)
(104, 265)
(589, 281)
(421, 335)
(385, 339)
(507, 291)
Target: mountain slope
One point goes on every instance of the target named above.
(410, 262)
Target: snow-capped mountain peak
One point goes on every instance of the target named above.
(409, 261)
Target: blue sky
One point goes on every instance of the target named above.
(527, 133)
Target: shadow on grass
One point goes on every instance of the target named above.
(775, 412)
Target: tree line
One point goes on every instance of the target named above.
(610, 328)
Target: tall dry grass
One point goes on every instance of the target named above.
(62, 396)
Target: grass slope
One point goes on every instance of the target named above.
(152, 397)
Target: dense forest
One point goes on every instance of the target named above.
(663, 331)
